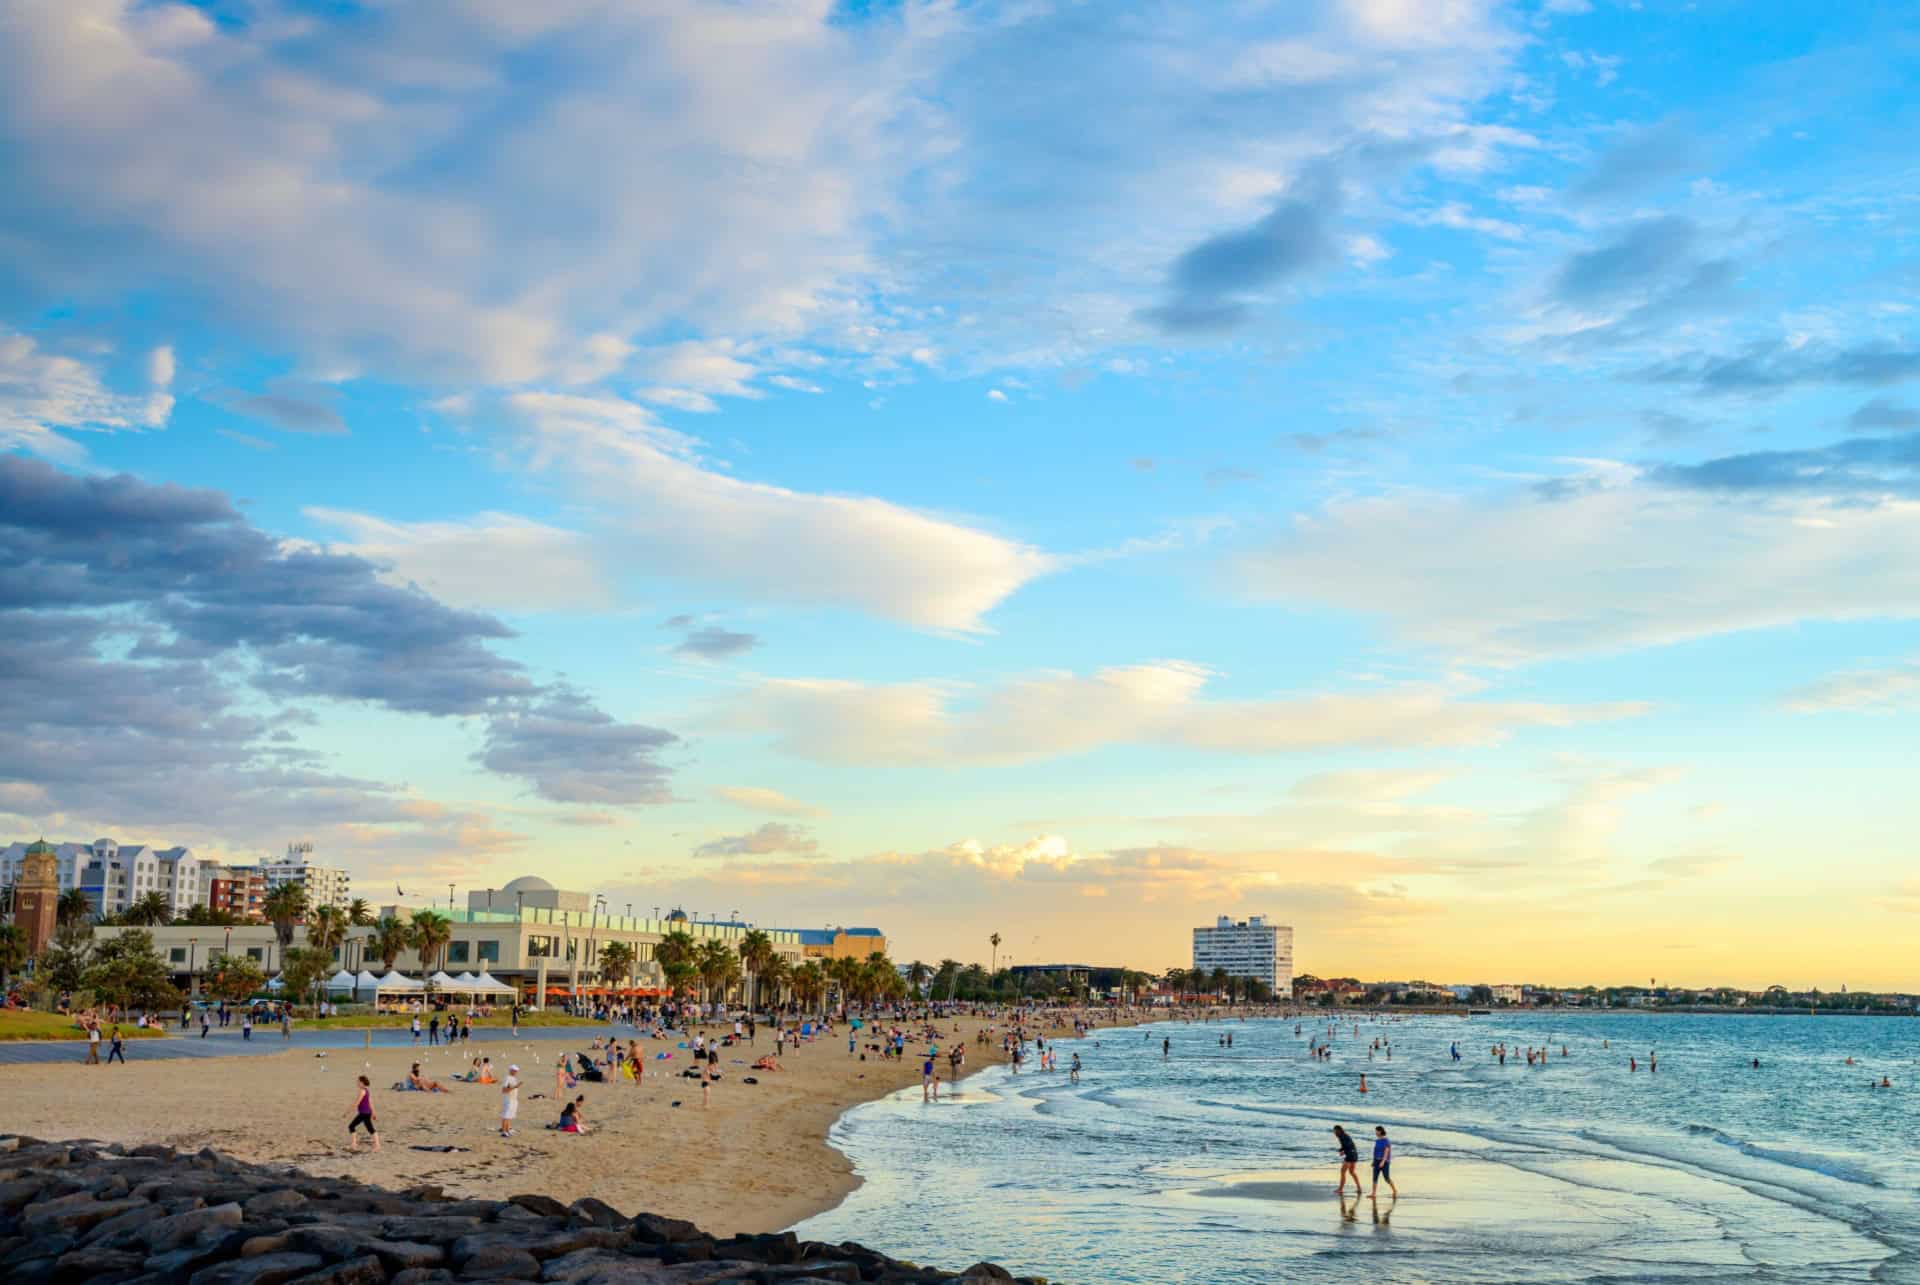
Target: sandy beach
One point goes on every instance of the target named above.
(757, 1160)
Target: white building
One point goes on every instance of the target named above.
(1249, 948)
(325, 885)
(114, 876)
(1508, 994)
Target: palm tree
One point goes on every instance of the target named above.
(391, 938)
(810, 983)
(13, 953)
(327, 929)
(995, 961)
(676, 947)
(149, 910)
(286, 904)
(756, 952)
(917, 976)
(616, 963)
(72, 910)
(714, 961)
(359, 915)
(432, 931)
(680, 975)
(777, 973)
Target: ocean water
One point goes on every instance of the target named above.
(1217, 1164)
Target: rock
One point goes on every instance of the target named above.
(986, 1272)
(155, 1150)
(500, 1262)
(19, 1192)
(90, 1261)
(811, 1270)
(595, 1213)
(423, 1276)
(427, 1227)
(652, 1229)
(355, 1271)
(277, 1242)
(699, 1249)
(273, 1202)
(267, 1269)
(177, 1230)
(545, 1206)
(584, 1263)
(73, 1213)
(574, 1239)
(782, 1247)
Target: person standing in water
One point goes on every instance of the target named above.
(1382, 1161)
(1166, 1049)
(1349, 1159)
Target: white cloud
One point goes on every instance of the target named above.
(1884, 690)
(41, 391)
(1599, 562)
(760, 799)
(493, 560)
(1161, 703)
(678, 517)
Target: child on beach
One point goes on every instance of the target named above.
(363, 1117)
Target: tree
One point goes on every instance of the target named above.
(232, 977)
(73, 913)
(128, 971)
(391, 939)
(150, 909)
(777, 974)
(1481, 995)
(616, 963)
(285, 905)
(810, 984)
(359, 913)
(63, 963)
(918, 975)
(674, 947)
(432, 932)
(680, 975)
(302, 968)
(756, 952)
(994, 939)
(715, 963)
(13, 953)
(947, 977)
(327, 929)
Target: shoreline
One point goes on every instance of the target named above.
(759, 1160)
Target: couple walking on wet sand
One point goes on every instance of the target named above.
(1350, 1157)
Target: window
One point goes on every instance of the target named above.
(457, 952)
(539, 947)
(489, 952)
(177, 954)
(256, 953)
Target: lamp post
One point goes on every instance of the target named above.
(193, 986)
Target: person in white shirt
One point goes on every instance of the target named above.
(509, 1101)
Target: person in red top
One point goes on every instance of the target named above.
(363, 1118)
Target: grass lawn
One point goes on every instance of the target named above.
(53, 1026)
(499, 1021)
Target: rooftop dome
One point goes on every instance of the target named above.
(528, 883)
(677, 917)
(37, 847)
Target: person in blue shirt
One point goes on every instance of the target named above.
(1456, 1051)
(1382, 1162)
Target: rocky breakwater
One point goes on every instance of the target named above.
(100, 1213)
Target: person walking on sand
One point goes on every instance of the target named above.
(246, 1025)
(509, 1101)
(363, 1117)
(93, 1044)
(415, 1027)
(119, 1049)
(1382, 1162)
(1349, 1159)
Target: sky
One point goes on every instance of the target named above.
(1442, 474)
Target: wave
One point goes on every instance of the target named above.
(1812, 1161)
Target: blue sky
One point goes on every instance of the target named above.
(1442, 474)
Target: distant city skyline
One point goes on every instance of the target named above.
(1442, 475)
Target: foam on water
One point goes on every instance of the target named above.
(1217, 1164)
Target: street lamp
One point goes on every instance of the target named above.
(193, 944)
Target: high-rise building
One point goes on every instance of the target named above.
(1250, 947)
(325, 885)
(114, 876)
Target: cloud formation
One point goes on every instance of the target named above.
(491, 561)
(1594, 562)
(1161, 703)
(685, 519)
(771, 838)
(216, 609)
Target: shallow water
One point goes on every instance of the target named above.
(1217, 1164)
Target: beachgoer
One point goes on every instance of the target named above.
(119, 1049)
(93, 1044)
(1073, 1071)
(509, 1101)
(422, 1083)
(1382, 1161)
(363, 1117)
(1349, 1158)
(246, 1025)
(1363, 1084)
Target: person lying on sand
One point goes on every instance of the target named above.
(768, 1063)
(418, 1081)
